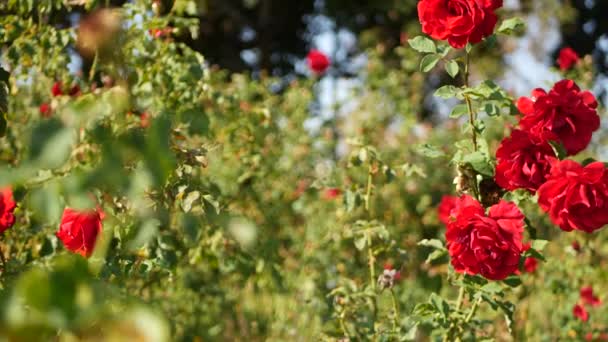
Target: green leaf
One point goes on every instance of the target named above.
(51, 144)
(539, 245)
(440, 305)
(434, 243)
(511, 26)
(459, 110)
(452, 68)
(429, 151)
(422, 44)
(559, 149)
(513, 281)
(361, 242)
(189, 200)
(447, 92)
(428, 62)
(491, 109)
(437, 257)
(480, 163)
(492, 287)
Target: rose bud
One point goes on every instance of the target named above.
(45, 110)
(7, 208)
(567, 58)
(318, 62)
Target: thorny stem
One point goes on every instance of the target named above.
(473, 310)
(368, 192)
(459, 302)
(93, 67)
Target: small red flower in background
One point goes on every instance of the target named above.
(331, 193)
(79, 230)
(7, 208)
(144, 120)
(523, 161)
(389, 267)
(567, 58)
(576, 246)
(45, 110)
(580, 312)
(487, 244)
(56, 89)
(318, 62)
(588, 298)
(530, 265)
(576, 196)
(450, 205)
(458, 21)
(565, 114)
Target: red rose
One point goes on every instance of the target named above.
(566, 111)
(576, 197)
(318, 62)
(580, 312)
(458, 21)
(331, 193)
(523, 161)
(530, 265)
(45, 110)
(588, 298)
(7, 208)
(567, 58)
(56, 89)
(450, 205)
(490, 245)
(79, 230)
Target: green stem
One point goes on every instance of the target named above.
(368, 191)
(459, 302)
(343, 326)
(395, 313)
(472, 115)
(93, 67)
(372, 266)
(473, 310)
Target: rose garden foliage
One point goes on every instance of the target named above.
(150, 196)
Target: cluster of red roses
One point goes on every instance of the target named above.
(587, 298)
(575, 196)
(78, 230)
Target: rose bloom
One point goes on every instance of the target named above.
(588, 297)
(523, 161)
(318, 62)
(580, 312)
(56, 89)
(458, 21)
(331, 193)
(530, 265)
(490, 245)
(45, 110)
(576, 197)
(7, 208)
(79, 230)
(449, 204)
(567, 58)
(565, 113)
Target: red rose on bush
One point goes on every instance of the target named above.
(490, 245)
(523, 161)
(7, 208)
(530, 265)
(79, 230)
(576, 197)
(567, 58)
(580, 312)
(566, 111)
(458, 21)
(588, 297)
(45, 110)
(318, 62)
(452, 203)
(56, 89)
(331, 193)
